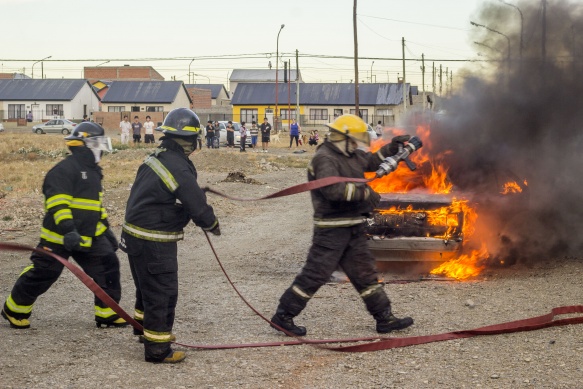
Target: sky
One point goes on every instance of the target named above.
(214, 37)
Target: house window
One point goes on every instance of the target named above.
(135, 109)
(363, 114)
(116, 108)
(155, 108)
(248, 115)
(338, 112)
(16, 111)
(285, 114)
(384, 112)
(55, 109)
(318, 114)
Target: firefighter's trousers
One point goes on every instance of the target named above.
(332, 248)
(100, 263)
(154, 267)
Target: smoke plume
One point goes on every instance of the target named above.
(519, 116)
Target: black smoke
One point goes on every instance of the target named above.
(521, 118)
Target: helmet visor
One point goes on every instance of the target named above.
(102, 143)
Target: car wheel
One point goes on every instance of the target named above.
(65, 131)
(39, 131)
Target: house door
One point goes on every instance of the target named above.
(269, 115)
(37, 115)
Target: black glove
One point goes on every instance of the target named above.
(216, 230)
(111, 238)
(393, 147)
(72, 241)
(374, 198)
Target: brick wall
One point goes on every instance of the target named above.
(110, 120)
(201, 98)
(141, 73)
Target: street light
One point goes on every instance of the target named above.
(103, 63)
(521, 25)
(50, 56)
(497, 32)
(189, 70)
(371, 71)
(277, 73)
(201, 75)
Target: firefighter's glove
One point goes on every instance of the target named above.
(216, 230)
(111, 238)
(72, 241)
(372, 197)
(393, 147)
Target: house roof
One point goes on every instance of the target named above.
(261, 75)
(162, 92)
(214, 88)
(319, 94)
(45, 90)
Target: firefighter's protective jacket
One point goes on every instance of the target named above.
(342, 204)
(165, 197)
(73, 199)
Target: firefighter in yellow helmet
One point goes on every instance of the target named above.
(339, 239)
(164, 199)
(75, 225)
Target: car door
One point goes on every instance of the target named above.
(49, 126)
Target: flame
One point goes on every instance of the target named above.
(431, 177)
(464, 267)
(512, 187)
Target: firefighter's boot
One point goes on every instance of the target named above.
(286, 321)
(173, 357)
(387, 322)
(14, 322)
(115, 321)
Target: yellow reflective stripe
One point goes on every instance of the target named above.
(104, 312)
(370, 290)
(195, 130)
(156, 236)
(86, 204)
(213, 226)
(349, 191)
(162, 172)
(138, 315)
(296, 289)
(330, 223)
(53, 237)
(59, 199)
(62, 214)
(17, 308)
(26, 269)
(101, 228)
(159, 337)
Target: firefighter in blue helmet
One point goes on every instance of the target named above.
(165, 197)
(339, 239)
(75, 225)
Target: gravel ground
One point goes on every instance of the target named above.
(263, 245)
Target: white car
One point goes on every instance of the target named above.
(236, 126)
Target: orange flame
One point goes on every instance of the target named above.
(512, 187)
(464, 267)
(431, 177)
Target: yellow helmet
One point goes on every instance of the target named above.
(352, 127)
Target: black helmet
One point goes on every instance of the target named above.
(91, 135)
(86, 130)
(180, 122)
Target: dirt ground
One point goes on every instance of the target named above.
(262, 246)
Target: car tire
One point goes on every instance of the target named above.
(65, 131)
(39, 131)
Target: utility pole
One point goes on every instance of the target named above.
(447, 81)
(544, 34)
(423, 77)
(404, 78)
(297, 88)
(440, 80)
(451, 81)
(289, 94)
(356, 107)
(433, 91)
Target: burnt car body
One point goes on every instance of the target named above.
(415, 227)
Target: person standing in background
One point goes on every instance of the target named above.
(210, 134)
(137, 130)
(294, 133)
(243, 132)
(230, 135)
(149, 130)
(254, 135)
(125, 126)
(265, 135)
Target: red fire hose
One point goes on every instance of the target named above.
(372, 343)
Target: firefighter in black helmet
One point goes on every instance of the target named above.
(75, 224)
(165, 197)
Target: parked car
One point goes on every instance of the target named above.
(61, 126)
(236, 126)
(1, 127)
